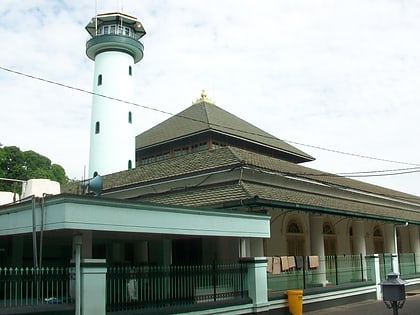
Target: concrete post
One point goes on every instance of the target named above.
(257, 281)
(93, 286)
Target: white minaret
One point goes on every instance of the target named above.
(115, 48)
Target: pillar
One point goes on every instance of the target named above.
(389, 238)
(257, 282)
(93, 286)
(317, 247)
(359, 241)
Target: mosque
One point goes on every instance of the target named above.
(202, 187)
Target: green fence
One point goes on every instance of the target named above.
(329, 270)
(145, 287)
(34, 286)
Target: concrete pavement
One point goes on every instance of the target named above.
(373, 307)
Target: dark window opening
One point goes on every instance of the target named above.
(100, 79)
(130, 71)
(97, 127)
(130, 164)
(130, 118)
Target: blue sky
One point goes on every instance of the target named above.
(338, 74)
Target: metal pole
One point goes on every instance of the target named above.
(395, 307)
(77, 241)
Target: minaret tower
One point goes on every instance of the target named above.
(115, 48)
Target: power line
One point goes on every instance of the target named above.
(204, 122)
(377, 173)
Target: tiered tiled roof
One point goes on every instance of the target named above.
(288, 184)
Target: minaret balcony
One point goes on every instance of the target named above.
(114, 42)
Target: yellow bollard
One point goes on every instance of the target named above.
(294, 298)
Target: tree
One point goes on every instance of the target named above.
(24, 165)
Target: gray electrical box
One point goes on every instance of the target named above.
(393, 288)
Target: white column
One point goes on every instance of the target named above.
(317, 247)
(359, 242)
(389, 238)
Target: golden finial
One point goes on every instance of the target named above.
(203, 98)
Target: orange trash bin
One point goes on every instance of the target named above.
(294, 298)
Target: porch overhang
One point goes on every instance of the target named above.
(276, 204)
(75, 212)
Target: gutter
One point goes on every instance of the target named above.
(259, 202)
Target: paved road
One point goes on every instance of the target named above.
(372, 307)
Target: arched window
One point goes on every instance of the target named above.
(100, 79)
(130, 166)
(130, 118)
(295, 238)
(97, 127)
(327, 229)
(130, 70)
(294, 227)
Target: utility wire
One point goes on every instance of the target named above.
(200, 121)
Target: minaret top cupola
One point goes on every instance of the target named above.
(115, 32)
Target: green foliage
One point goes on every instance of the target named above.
(15, 164)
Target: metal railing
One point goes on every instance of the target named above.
(331, 270)
(408, 264)
(145, 287)
(34, 286)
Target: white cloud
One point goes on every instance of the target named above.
(337, 74)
